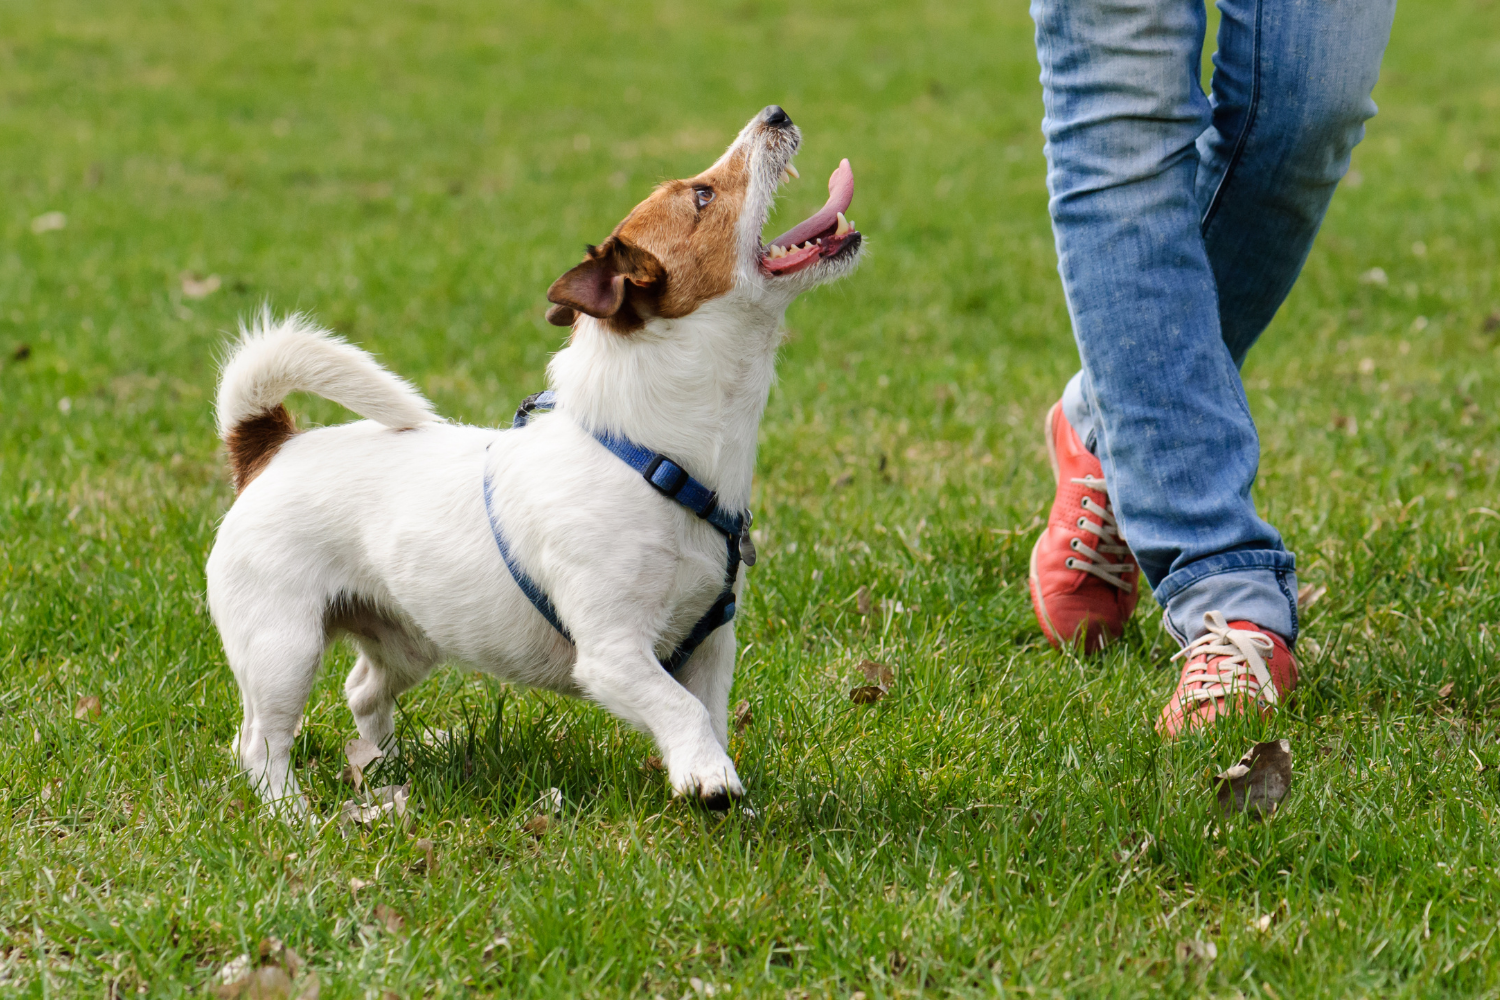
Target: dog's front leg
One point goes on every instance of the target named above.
(625, 677)
(709, 674)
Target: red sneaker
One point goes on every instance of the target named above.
(1230, 668)
(1083, 577)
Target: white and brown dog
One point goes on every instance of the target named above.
(386, 529)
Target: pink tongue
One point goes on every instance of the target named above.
(840, 194)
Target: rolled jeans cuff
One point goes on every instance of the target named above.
(1257, 586)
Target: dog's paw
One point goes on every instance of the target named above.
(714, 783)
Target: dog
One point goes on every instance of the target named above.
(532, 553)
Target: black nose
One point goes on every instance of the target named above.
(775, 117)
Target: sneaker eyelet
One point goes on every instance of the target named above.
(1068, 562)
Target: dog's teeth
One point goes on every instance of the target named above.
(818, 241)
(844, 226)
(791, 170)
(776, 252)
(786, 178)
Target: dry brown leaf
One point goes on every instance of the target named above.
(356, 884)
(537, 825)
(1195, 950)
(1308, 595)
(742, 716)
(361, 752)
(493, 948)
(427, 863)
(867, 695)
(1259, 782)
(194, 287)
(862, 602)
(387, 800)
(878, 673)
(88, 708)
(653, 763)
(48, 222)
(389, 995)
(311, 987)
(387, 915)
(1445, 690)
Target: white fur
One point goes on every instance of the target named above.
(377, 528)
(275, 359)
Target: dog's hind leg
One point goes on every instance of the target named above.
(382, 672)
(274, 652)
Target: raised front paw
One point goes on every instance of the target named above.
(712, 780)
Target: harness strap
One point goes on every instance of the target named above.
(665, 476)
(672, 481)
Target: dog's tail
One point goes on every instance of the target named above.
(275, 358)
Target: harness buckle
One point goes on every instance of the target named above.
(678, 476)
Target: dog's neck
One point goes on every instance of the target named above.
(692, 389)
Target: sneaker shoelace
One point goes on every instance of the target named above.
(1234, 663)
(1092, 560)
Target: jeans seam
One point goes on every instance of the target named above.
(1251, 114)
(1164, 598)
(1291, 600)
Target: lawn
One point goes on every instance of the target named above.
(1004, 821)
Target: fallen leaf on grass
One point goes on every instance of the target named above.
(653, 763)
(1308, 595)
(1445, 690)
(48, 221)
(356, 884)
(742, 716)
(387, 800)
(493, 948)
(269, 982)
(537, 825)
(88, 708)
(1261, 924)
(427, 863)
(387, 915)
(862, 602)
(360, 754)
(199, 288)
(877, 673)
(1259, 782)
(1195, 950)
(880, 677)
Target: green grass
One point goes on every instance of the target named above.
(415, 174)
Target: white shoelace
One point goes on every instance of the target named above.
(1110, 543)
(1239, 669)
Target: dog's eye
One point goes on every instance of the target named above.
(702, 196)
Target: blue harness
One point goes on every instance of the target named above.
(672, 481)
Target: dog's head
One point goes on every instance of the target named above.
(697, 239)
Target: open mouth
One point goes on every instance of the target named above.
(824, 234)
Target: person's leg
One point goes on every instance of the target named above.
(1291, 94)
(1161, 402)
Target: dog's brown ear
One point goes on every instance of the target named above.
(593, 287)
(598, 286)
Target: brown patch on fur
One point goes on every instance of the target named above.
(669, 256)
(254, 442)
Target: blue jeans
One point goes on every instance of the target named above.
(1182, 221)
